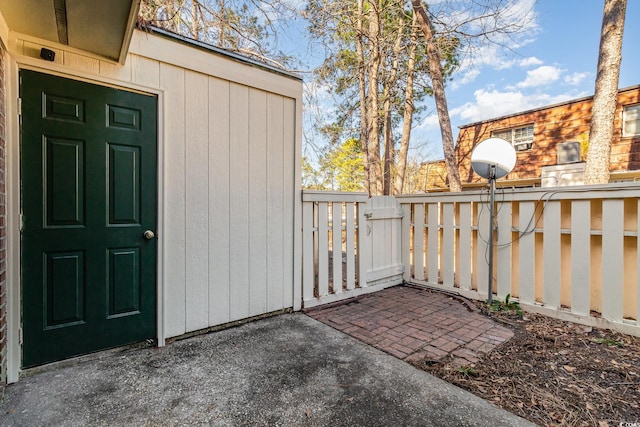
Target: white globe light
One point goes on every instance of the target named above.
(493, 152)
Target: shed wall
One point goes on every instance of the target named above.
(229, 177)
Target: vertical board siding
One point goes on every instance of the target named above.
(197, 200)
(219, 196)
(239, 203)
(612, 259)
(580, 257)
(229, 140)
(275, 203)
(257, 202)
(172, 81)
(292, 115)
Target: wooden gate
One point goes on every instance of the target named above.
(351, 245)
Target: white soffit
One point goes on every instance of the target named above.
(100, 27)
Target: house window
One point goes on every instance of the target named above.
(521, 138)
(631, 120)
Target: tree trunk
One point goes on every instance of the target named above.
(606, 92)
(362, 91)
(373, 131)
(389, 83)
(401, 162)
(437, 83)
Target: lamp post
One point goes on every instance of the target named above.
(492, 159)
(492, 197)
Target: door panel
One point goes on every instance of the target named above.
(88, 170)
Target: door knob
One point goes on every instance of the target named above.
(149, 235)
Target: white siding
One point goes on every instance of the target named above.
(230, 136)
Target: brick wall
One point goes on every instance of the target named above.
(3, 232)
(552, 125)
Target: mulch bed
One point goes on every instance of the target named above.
(554, 373)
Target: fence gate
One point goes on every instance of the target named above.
(351, 245)
(383, 261)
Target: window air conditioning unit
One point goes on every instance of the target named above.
(568, 152)
(522, 146)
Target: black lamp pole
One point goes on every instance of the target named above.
(492, 191)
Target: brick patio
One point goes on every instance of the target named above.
(414, 324)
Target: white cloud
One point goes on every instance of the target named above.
(494, 103)
(541, 76)
(430, 122)
(530, 62)
(575, 79)
(468, 77)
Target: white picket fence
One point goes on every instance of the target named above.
(571, 252)
(351, 245)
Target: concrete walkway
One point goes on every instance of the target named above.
(417, 324)
(288, 370)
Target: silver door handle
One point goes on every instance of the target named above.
(149, 235)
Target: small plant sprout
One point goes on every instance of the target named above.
(507, 306)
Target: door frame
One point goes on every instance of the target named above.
(13, 65)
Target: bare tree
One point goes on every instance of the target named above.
(437, 83)
(606, 92)
(244, 26)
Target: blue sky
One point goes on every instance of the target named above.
(555, 61)
(557, 64)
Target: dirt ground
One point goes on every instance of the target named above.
(555, 373)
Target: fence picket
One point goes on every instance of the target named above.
(391, 245)
(350, 252)
(363, 246)
(503, 259)
(526, 238)
(308, 273)
(448, 240)
(418, 242)
(613, 259)
(464, 245)
(638, 265)
(433, 250)
(551, 257)
(336, 246)
(323, 249)
(482, 253)
(580, 257)
(404, 241)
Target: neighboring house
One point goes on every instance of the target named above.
(552, 142)
(149, 184)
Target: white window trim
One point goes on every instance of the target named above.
(512, 137)
(624, 120)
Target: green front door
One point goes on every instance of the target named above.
(88, 168)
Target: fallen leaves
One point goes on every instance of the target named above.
(557, 373)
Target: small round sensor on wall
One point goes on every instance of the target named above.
(47, 54)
